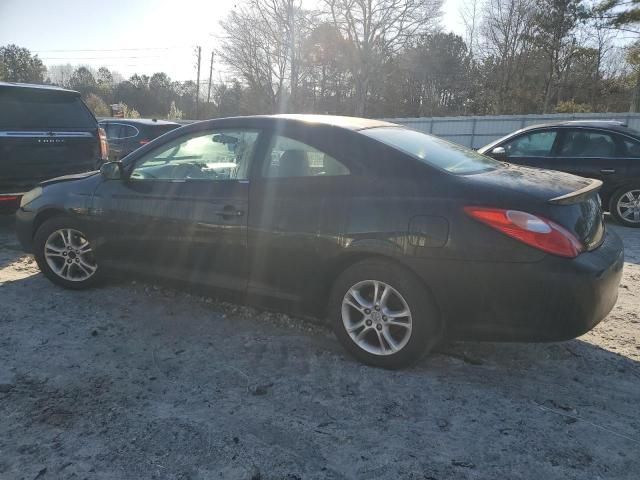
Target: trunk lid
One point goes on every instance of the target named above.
(568, 200)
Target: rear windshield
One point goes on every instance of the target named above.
(25, 108)
(433, 151)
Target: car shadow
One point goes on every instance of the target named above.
(10, 250)
(631, 239)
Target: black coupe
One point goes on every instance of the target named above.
(397, 237)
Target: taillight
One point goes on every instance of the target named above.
(533, 230)
(104, 145)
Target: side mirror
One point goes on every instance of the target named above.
(499, 153)
(111, 170)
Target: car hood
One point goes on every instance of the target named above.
(68, 178)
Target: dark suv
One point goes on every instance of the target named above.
(606, 150)
(45, 132)
(127, 135)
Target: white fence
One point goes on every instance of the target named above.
(476, 132)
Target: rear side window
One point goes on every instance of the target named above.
(117, 131)
(291, 158)
(632, 148)
(534, 144)
(22, 108)
(586, 143)
(433, 150)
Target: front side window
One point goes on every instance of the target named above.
(585, 143)
(290, 158)
(433, 151)
(534, 144)
(212, 155)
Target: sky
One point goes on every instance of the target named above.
(142, 36)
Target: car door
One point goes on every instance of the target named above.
(299, 202)
(592, 153)
(181, 210)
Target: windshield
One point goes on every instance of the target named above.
(433, 151)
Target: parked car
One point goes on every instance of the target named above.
(605, 150)
(45, 132)
(395, 236)
(126, 135)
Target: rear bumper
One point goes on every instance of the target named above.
(10, 201)
(551, 300)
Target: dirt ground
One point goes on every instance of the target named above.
(136, 381)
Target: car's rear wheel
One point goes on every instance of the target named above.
(625, 206)
(383, 314)
(65, 254)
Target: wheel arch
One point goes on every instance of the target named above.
(349, 258)
(45, 215)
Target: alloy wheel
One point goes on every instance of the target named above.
(69, 255)
(629, 206)
(376, 317)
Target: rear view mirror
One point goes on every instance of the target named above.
(111, 170)
(499, 153)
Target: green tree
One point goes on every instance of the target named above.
(18, 65)
(620, 13)
(83, 81)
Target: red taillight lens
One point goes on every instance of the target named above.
(531, 229)
(9, 198)
(104, 145)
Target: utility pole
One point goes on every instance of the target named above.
(199, 49)
(210, 74)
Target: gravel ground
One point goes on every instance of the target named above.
(136, 381)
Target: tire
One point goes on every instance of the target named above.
(401, 285)
(62, 255)
(625, 206)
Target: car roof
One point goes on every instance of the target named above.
(604, 124)
(351, 123)
(140, 121)
(33, 86)
(265, 121)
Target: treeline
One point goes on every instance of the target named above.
(388, 58)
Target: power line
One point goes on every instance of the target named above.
(109, 49)
(102, 58)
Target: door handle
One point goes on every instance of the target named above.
(229, 211)
(608, 170)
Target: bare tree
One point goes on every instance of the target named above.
(507, 32)
(263, 44)
(470, 14)
(379, 28)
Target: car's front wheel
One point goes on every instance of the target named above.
(65, 254)
(625, 206)
(383, 315)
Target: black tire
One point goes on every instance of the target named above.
(39, 241)
(426, 330)
(615, 200)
